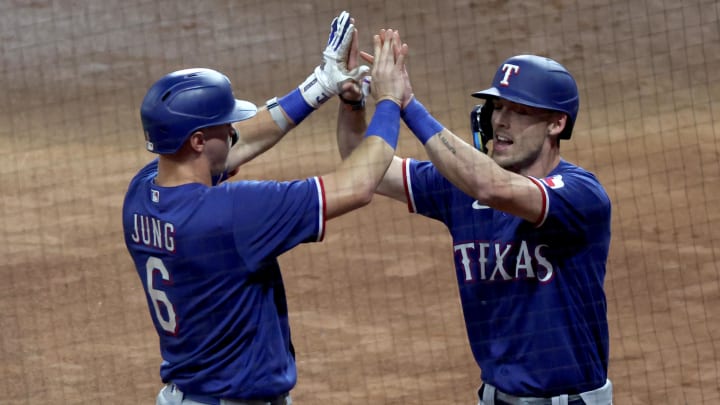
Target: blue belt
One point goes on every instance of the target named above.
(203, 399)
(209, 400)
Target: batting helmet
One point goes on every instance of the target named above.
(529, 80)
(182, 102)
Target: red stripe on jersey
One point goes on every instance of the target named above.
(544, 197)
(406, 184)
(323, 202)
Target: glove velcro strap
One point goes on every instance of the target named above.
(385, 122)
(313, 90)
(420, 122)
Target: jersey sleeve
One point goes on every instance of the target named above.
(270, 217)
(427, 191)
(573, 201)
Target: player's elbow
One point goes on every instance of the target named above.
(339, 204)
(363, 195)
(367, 196)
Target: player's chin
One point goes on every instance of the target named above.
(507, 161)
(501, 157)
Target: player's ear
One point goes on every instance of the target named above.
(557, 123)
(196, 141)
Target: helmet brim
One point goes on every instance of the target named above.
(492, 92)
(243, 110)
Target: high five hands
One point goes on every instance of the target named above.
(388, 68)
(389, 63)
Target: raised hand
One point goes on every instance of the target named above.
(333, 71)
(325, 81)
(388, 71)
(341, 50)
(398, 48)
(353, 92)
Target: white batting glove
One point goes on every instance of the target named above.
(327, 79)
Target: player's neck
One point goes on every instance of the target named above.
(176, 171)
(543, 165)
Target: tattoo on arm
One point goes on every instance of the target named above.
(447, 144)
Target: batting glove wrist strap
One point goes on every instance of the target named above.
(317, 88)
(420, 122)
(385, 122)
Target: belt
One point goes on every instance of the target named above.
(501, 398)
(208, 400)
(172, 394)
(203, 399)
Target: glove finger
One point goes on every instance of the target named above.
(344, 26)
(333, 30)
(343, 19)
(338, 29)
(343, 47)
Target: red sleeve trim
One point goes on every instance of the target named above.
(545, 202)
(323, 208)
(408, 187)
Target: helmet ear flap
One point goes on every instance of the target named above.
(481, 126)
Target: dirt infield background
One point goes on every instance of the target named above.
(374, 308)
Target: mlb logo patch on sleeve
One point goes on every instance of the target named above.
(555, 181)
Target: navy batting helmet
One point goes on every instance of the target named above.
(182, 102)
(530, 80)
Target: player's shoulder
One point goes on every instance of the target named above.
(576, 178)
(147, 172)
(423, 169)
(240, 186)
(570, 170)
(142, 178)
(268, 188)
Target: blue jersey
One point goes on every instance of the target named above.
(206, 257)
(532, 294)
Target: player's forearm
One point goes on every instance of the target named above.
(479, 176)
(365, 167)
(353, 184)
(368, 163)
(255, 136)
(471, 171)
(351, 127)
(269, 126)
(465, 167)
(450, 155)
(350, 131)
(277, 118)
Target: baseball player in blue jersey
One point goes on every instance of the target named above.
(530, 232)
(206, 252)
